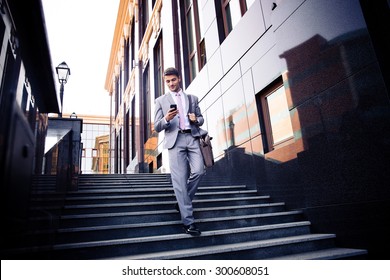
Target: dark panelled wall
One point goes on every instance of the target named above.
(338, 168)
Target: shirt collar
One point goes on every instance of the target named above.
(174, 93)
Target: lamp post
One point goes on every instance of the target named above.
(63, 73)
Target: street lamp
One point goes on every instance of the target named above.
(63, 73)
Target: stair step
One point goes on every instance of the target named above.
(263, 249)
(154, 194)
(167, 215)
(142, 197)
(135, 193)
(122, 176)
(159, 205)
(96, 188)
(327, 254)
(170, 197)
(139, 245)
(171, 227)
(124, 185)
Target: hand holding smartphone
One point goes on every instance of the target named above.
(171, 113)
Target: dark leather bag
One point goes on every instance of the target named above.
(207, 150)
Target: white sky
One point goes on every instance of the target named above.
(80, 32)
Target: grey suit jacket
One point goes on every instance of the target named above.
(162, 106)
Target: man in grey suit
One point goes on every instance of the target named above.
(181, 126)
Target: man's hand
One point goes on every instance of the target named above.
(171, 114)
(192, 117)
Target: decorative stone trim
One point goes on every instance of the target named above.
(154, 26)
(156, 23)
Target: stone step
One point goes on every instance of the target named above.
(255, 249)
(180, 241)
(123, 197)
(125, 184)
(166, 215)
(326, 254)
(147, 192)
(93, 233)
(105, 207)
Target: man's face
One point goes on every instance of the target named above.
(173, 82)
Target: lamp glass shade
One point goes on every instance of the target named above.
(63, 72)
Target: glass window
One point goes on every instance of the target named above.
(190, 29)
(279, 116)
(145, 15)
(275, 120)
(133, 130)
(196, 49)
(147, 105)
(193, 65)
(202, 50)
(158, 68)
(2, 32)
(232, 11)
(233, 14)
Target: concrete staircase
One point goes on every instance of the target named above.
(133, 217)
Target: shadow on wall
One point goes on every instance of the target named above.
(341, 176)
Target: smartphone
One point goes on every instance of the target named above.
(174, 106)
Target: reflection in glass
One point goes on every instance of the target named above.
(216, 127)
(191, 31)
(93, 134)
(279, 116)
(233, 14)
(236, 119)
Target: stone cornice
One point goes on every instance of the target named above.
(127, 9)
(153, 26)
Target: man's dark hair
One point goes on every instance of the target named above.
(171, 71)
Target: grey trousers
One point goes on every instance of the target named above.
(186, 153)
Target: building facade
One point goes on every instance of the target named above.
(294, 93)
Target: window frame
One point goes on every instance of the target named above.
(224, 23)
(133, 130)
(191, 16)
(159, 67)
(265, 118)
(224, 5)
(147, 115)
